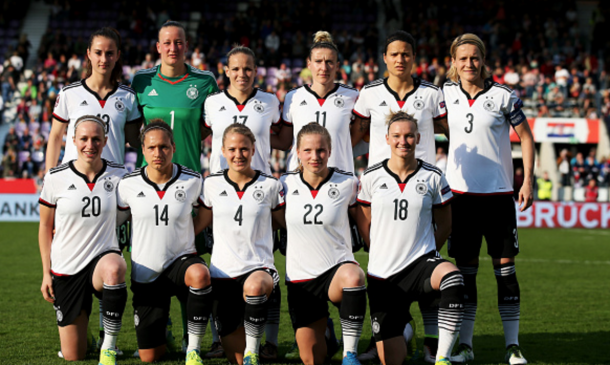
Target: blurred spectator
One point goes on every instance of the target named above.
(563, 166)
(16, 61)
(591, 191)
(579, 170)
(75, 62)
(545, 187)
(9, 163)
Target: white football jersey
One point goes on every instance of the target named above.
(85, 214)
(401, 214)
(317, 222)
(243, 237)
(479, 158)
(259, 112)
(118, 108)
(303, 106)
(162, 224)
(377, 100)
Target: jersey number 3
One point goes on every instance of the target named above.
(468, 128)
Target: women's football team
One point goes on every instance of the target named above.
(403, 208)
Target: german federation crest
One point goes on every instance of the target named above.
(421, 188)
(333, 193)
(339, 103)
(258, 195)
(108, 186)
(418, 104)
(180, 195)
(259, 108)
(119, 105)
(192, 92)
(489, 105)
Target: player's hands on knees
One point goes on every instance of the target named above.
(47, 288)
(526, 197)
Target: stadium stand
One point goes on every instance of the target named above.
(556, 60)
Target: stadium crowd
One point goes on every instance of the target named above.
(543, 57)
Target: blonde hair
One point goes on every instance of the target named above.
(313, 128)
(467, 38)
(93, 119)
(323, 39)
(401, 116)
(239, 129)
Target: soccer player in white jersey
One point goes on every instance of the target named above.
(161, 197)
(480, 171)
(245, 104)
(101, 94)
(78, 202)
(320, 265)
(260, 112)
(400, 91)
(325, 102)
(241, 202)
(400, 197)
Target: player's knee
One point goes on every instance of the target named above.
(256, 287)
(197, 276)
(114, 272)
(352, 277)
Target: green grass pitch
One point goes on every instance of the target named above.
(565, 310)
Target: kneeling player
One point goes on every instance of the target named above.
(320, 265)
(161, 197)
(241, 201)
(400, 197)
(83, 258)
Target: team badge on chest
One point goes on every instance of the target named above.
(339, 103)
(333, 192)
(192, 92)
(180, 195)
(258, 195)
(418, 103)
(108, 186)
(489, 105)
(259, 108)
(421, 188)
(119, 105)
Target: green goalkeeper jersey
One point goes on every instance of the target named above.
(179, 102)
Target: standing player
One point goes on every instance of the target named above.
(402, 92)
(78, 202)
(161, 197)
(480, 171)
(175, 92)
(320, 265)
(260, 112)
(400, 197)
(101, 94)
(241, 201)
(325, 102)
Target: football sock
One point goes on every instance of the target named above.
(470, 302)
(184, 321)
(215, 337)
(429, 314)
(198, 308)
(509, 301)
(351, 312)
(101, 321)
(272, 327)
(450, 312)
(114, 298)
(255, 316)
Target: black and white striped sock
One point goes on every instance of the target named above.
(114, 298)
(470, 302)
(351, 312)
(509, 301)
(450, 312)
(255, 317)
(198, 308)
